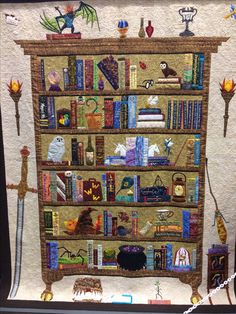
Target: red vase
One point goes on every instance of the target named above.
(149, 29)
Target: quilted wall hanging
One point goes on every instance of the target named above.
(118, 132)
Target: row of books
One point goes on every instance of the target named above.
(184, 114)
(193, 73)
(156, 259)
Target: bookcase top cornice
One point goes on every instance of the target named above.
(121, 46)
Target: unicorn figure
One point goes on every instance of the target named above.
(152, 150)
(168, 144)
(120, 148)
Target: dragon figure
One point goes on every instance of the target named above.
(66, 20)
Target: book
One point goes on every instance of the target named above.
(139, 150)
(52, 254)
(109, 224)
(73, 106)
(80, 74)
(151, 124)
(90, 253)
(121, 72)
(72, 266)
(131, 150)
(136, 188)
(110, 183)
(48, 223)
(127, 73)
(114, 226)
(80, 153)
(63, 36)
(95, 258)
(124, 115)
(134, 219)
(199, 115)
(195, 114)
(200, 71)
(196, 189)
(43, 112)
(108, 113)
(145, 151)
(168, 256)
(185, 115)
(149, 111)
(72, 72)
(169, 80)
(197, 150)
(66, 80)
(132, 107)
(174, 118)
(150, 257)
(186, 224)
(168, 124)
(53, 185)
(104, 187)
(168, 85)
(180, 115)
(133, 76)
(153, 117)
(46, 193)
(193, 225)
(74, 153)
(100, 154)
(51, 112)
(195, 70)
(56, 223)
(109, 68)
(190, 110)
(116, 114)
(80, 189)
(188, 71)
(68, 185)
(61, 187)
(95, 75)
(42, 76)
(88, 74)
(74, 187)
(100, 256)
(105, 223)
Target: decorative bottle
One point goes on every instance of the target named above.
(89, 153)
(149, 29)
(100, 83)
(141, 32)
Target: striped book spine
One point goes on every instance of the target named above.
(168, 125)
(132, 107)
(195, 114)
(46, 187)
(190, 111)
(42, 73)
(74, 187)
(53, 186)
(186, 224)
(80, 189)
(66, 80)
(174, 119)
(185, 114)
(105, 223)
(61, 187)
(104, 187)
(168, 256)
(80, 74)
(56, 223)
(48, 223)
(51, 113)
(72, 72)
(100, 255)
(180, 115)
(150, 257)
(116, 114)
(90, 253)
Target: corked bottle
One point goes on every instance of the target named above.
(141, 32)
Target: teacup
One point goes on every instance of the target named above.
(164, 214)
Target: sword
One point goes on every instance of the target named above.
(22, 189)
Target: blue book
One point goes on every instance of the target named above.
(109, 224)
(139, 150)
(190, 111)
(105, 222)
(52, 254)
(80, 74)
(196, 189)
(197, 145)
(200, 71)
(169, 115)
(143, 111)
(186, 224)
(185, 114)
(136, 188)
(43, 83)
(116, 114)
(199, 115)
(174, 115)
(132, 107)
(104, 187)
(168, 256)
(195, 114)
(74, 188)
(180, 115)
(51, 113)
(150, 257)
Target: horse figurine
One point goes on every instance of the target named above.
(152, 150)
(120, 148)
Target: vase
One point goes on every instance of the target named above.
(149, 29)
(141, 32)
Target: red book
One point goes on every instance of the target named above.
(89, 74)
(73, 266)
(127, 73)
(193, 225)
(108, 113)
(46, 187)
(73, 106)
(114, 226)
(100, 150)
(63, 36)
(95, 258)
(111, 193)
(52, 163)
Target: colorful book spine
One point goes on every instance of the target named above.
(195, 114)
(197, 150)
(195, 70)
(80, 189)
(88, 74)
(56, 223)
(124, 115)
(201, 71)
(90, 253)
(74, 153)
(108, 113)
(139, 148)
(68, 184)
(136, 188)
(127, 74)
(100, 256)
(132, 107)
(180, 115)
(66, 79)
(131, 149)
(133, 77)
(73, 107)
(186, 224)
(61, 187)
(74, 187)
(134, 218)
(185, 115)
(150, 257)
(110, 183)
(188, 71)
(42, 73)
(121, 72)
(100, 153)
(174, 119)
(80, 153)
(109, 224)
(104, 187)
(95, 75)
(114, 226)
(105, 223)
(51, 113)
(196, 189)
(48, 223)
(43, 112)
(193, 225)
(46, 187)
(168, 124)
(199, 115)
(72, 72)
(53, 186)
(80, 74)
(81, 114)
(52, 254)
(190, 111)
(145, 151)
(95, 258)
(194, 259)
(116, 114)
(168, 256)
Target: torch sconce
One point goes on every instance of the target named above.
(227, 93)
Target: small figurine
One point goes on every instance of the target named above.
(168, 144)
(158, 290)
(56, 149)
(54, 79)
(166, 70)
(123, 27)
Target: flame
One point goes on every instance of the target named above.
(228, 86)
(69, 8)
(14, 86)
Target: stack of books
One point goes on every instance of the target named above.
(150, 118)
(168, 82)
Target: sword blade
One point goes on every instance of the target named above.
(18, 247)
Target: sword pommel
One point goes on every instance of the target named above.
(25, 151)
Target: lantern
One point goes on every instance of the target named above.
(178, 187)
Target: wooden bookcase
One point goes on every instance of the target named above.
(39, 49)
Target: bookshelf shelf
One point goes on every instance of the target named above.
(151, 91)
(121, 131)
(122, 204)
(119, 238)
(119, 168)
(197, 48)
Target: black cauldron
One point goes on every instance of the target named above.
(131, 257)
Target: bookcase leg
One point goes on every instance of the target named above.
(194, 282)
(47, 294)
(195, 297)
(49, 277)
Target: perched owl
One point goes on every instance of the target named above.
(166, 70)
(56, 149)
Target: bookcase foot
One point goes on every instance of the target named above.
(49, 277)
(47, 295)
(194, 282)
(195, 297)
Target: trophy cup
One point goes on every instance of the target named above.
(187, 16)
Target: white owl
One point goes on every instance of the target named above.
(56, 149)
